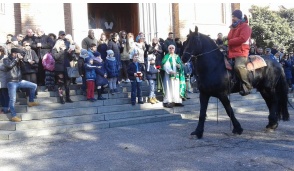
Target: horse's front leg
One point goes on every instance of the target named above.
(227, 105)
(203, 108)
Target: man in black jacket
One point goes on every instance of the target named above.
(12, 65)
(43, 44)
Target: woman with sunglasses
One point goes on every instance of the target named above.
(174, 79)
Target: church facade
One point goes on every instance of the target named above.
(154, 19)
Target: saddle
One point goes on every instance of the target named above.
(254, 62)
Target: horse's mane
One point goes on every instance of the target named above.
(208, 40)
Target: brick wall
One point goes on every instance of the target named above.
(17, 18)
(48, 16)
(67, 18)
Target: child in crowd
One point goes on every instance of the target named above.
(135, 73)
(112, 67)
(81, 66)
(188, 72)
(151, 77)
(90, 78)
(101, 75)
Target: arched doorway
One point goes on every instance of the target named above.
(113, 17)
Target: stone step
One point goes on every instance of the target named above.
(79, 104)
(79, 86)
(21, 134)
(55, 94)
(71, 87)
(44, 123)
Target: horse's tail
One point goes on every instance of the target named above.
(282, 90)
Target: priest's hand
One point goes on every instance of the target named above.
(172, 72)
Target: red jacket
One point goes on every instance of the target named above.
(238, 40)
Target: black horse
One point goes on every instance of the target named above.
(215, 80)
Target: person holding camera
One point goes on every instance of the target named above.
(61, 55)
(156, 49)
(125, 56)
(29, 67)
(12, 65)
(4, 97)
(135, 72)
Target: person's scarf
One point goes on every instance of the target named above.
(28, 55)
(110, 58)
(243, 20)
(98, 59)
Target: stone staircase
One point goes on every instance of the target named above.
(51, 117)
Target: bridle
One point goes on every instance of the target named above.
(195, 56)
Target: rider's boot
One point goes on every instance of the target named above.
(245, 84)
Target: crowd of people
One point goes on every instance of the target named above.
(37, 59)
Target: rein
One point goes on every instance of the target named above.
(192, 56)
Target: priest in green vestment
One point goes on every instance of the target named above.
(174, 79)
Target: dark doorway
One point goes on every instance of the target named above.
(114, 17)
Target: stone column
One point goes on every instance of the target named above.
(79, 16)
(175, 17)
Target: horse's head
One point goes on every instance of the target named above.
(193, 45)
(198, 45)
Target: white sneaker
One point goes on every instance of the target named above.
(128, 80)
(123, 80)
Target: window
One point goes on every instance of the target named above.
(2, 8)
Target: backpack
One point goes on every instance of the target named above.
(48, 62)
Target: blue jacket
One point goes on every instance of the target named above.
(90, 72)
(132, 69)
(112, 67)
(90, 53)
(287, 65)
(151, 74)
(100, 72)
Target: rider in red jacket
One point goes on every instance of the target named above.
(238, 43)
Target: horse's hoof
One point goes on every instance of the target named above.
(237, 131)
(272, 126)
(199, 134)
(269, 130)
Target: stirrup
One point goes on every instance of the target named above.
(245, 91)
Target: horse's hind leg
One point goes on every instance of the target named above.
(272, 103)
(227, 105)
(203, 108)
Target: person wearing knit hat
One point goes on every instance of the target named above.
(238, 14)
(238, 45)
(112, 69)
(109, 52)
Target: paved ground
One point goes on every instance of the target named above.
(159, 146)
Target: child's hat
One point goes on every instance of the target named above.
(109, 52)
